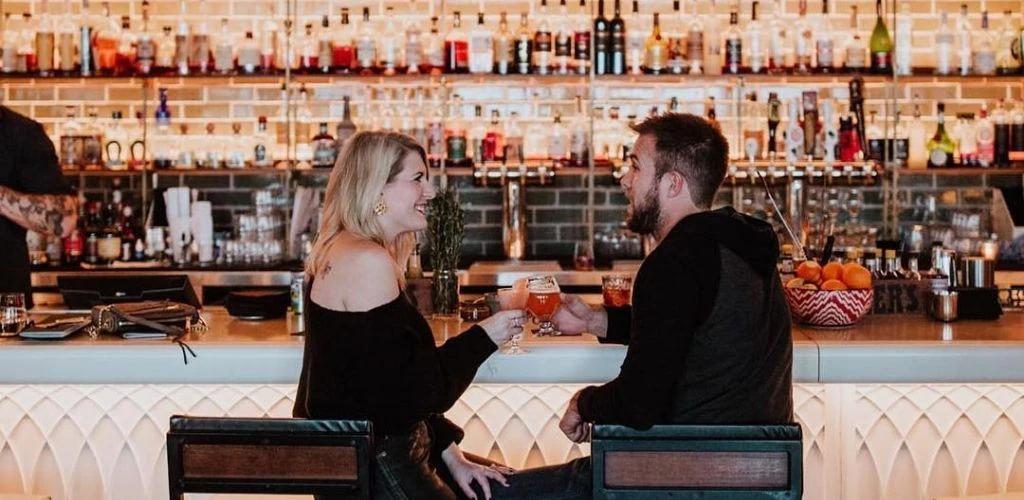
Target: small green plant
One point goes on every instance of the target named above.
(446, 228)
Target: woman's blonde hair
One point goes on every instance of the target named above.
(367, 162)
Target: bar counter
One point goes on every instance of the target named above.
(895, 407)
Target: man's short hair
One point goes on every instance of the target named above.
(690, 145)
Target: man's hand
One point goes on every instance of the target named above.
(465, 472)
(575, 317)
(51, 214)
(572, 423)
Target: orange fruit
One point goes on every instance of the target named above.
(832, 271)
(833, 284)
(794, 283)
(809, 271)
(857, 277)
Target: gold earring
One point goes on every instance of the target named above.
(380, 208)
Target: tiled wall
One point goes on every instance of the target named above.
(558, 214)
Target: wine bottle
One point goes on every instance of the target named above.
(602, 40)
(940, 146)
(880, 44)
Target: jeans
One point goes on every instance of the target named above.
(403, 470)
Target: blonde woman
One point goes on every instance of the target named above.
(369, 354)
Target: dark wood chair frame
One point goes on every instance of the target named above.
(269, 456)
(705, 462)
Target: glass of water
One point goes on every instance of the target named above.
(13, 315)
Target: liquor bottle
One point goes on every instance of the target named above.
(558, 141)
(523, 47)
(904, 41)
(940, 146)
(366, 46)
(236, 148)
(918, 158)
(324, 47)
(711, 112)
(774, 118)
(581, 41)
(755, 41)
(714, 59)
(249, 55)
(414, 60)
(92, 148)
(346, 127)
(105, 41)
(304, 118)
(984, 50)
(563, 42)
(1001, 123)
(542, 43)
(695, 43)
(635, 43)
(477, 135)
(481, 47)
(455, 137)
(733, 45)
(965, 141)
(224, 51)
(342, 49)
(116, 141)
(579, 139)
(262, 145)
(514, 141)
(944, 47)
(504, 47)
(753, 129)
(324, 148)
(199, 45)
(656, 50)
(777, 41)
(985, 137)
(824, 43)
(875, 139)
(1017, 133)
(617, 48)
(86, 66)
(145, 56)
(856, 49)
(803, 42)
(880, 44)
(1008, 60)
(677, 45)
(963, 37)
(44, 44)
(127, 49)
(433, 50)
(269, 44)
(66, 45)
(494, 143)
(602, 41)
(892, 265)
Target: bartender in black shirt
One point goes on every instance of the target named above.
(33, 195)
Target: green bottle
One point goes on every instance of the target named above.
(940, 146)
(880, 44)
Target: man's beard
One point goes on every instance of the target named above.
(643, 219)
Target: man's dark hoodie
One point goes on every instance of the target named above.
(708, 332)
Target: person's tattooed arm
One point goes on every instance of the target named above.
(51, 214)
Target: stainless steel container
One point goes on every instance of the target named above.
(978, 272)
(947, 265)
(944, 305)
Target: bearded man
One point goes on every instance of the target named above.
(708, 330)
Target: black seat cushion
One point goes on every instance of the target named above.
(701, 432)
(181, 423)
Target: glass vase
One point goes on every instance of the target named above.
(446, 294)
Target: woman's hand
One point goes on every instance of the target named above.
(465, 472)
(503, 325)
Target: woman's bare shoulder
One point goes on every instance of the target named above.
(359, 276)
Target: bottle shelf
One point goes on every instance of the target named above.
(962, 171)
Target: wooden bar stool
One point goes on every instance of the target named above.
(697, 461)
(269, 456)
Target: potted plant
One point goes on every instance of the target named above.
(446, 228)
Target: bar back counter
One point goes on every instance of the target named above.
(896, 407)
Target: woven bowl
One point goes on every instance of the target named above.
(829, 308)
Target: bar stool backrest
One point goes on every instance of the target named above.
(269, 456)
(698, 461)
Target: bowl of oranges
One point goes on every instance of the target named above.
(833, 295)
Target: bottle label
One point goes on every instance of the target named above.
(456, 148)
(734, 54)
(938, 158)
(825, 53)
(881, 60)
(435, 139)
(523, 51)
(855, 58)
(695, 46)
(563, 45)
(366, 53)
(260, 153)
(985, 62)
(581, 51)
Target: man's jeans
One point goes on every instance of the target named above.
(568, 481)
